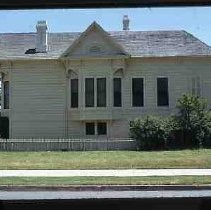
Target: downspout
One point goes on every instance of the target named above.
(64, 64)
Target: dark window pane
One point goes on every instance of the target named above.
(138, 91)
(6, 95)
(90, 129)
(74, 93)
(101, 128)
(89, 92)
(117, 92)
(101, 92)
(162, 92)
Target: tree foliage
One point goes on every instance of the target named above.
(194, 120)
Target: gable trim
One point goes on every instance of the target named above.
(94, 25)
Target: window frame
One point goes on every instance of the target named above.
(96, 91)
(106, 124)
(196, 86)
(96, 128)
(70, 94)
(131, 85)
(117, 77)
(162, 77)
(91, 122)
(94, 105)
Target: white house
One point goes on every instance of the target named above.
(92, 84)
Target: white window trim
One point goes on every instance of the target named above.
(117, 107)
(95, 128)
(156, 92)
(197, 87)
(101, 121)
(131, 92)
(69, 93)
(101, 77)
(84, 92)
(95, 91)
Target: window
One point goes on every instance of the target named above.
(196, 86)
(74, 93)
(6, 95)
(162, 92)
(101, 128)
(101, 92)
(138, 92)
(90, 128)
(89, 92)
(117, 83)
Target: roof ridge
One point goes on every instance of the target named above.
(17, 33)
(66, 32)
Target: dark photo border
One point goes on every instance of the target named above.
(43, 4)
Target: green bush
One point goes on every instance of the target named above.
(194, 120)
(151, 133)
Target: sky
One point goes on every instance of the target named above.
(195, 20)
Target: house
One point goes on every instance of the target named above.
(93, 84)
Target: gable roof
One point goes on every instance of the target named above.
(135, 43)
(99, 29)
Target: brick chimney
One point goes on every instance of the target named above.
(41, 37)
(126, 22)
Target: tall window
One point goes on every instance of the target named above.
(74, 93)
(89, 92)
(6, 95)
(196, 86)
(138, 91)
(162, 92)
(101, 92)
(117, 84)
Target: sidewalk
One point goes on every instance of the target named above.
(105, 173)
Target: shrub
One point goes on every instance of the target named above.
(151, 133)
(194, 120)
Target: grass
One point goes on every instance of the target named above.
(106, 160)
(68, 181)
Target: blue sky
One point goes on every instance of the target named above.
(196, 20)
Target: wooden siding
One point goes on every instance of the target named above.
(38, 100)
(40, 94)
(178, 71)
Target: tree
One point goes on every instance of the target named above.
(194, 120)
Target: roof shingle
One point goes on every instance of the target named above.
(136, 43)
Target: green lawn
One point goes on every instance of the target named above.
(106, 160)
(68, 181)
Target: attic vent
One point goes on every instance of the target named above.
(94, 49)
